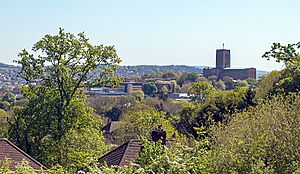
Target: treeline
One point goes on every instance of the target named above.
(221, 130)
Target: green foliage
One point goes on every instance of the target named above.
(252, 82)
(264, 139)
(289, 55)
(241, 83)
(267, 84)
(139, 121)
(24, 168)
(138, 95)
(82, 145)
(149, 88)
(192, 77)
(111, 107)
(184, 123)
(157, 158)
(220, 85)
(9, 97)
(200, 91)
(64, 65)
(218, 107)
(4, 105)
(229, 83)
(57, 112)
(5, 117)
(170, 75)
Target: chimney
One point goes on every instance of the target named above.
(159, 134)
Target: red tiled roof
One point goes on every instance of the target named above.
(122, 155)
(16, 155)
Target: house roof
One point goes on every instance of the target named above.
(125, 153)
(111, 126)
(122, 155)
(16, 155)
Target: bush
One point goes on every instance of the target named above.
(265, 138)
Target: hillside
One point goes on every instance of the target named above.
(139, 70)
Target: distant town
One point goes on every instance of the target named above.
(137, 76)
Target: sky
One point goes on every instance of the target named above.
(157, 32)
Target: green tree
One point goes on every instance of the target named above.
(139, 121)
(9, 97)
(213, 80)
(201, 79)
(200, 91)
(170, 75)
(185, 88)
(241, 83)
(64, 66)
(290, 75)
(64, 62)
(164, 93)
(220, 85)
(182, 79)
(267, 85)
(229, 83)
(263, 138)
(252, 82)
(192, 77)
(138, 95)
(149, 88)
(5, 118)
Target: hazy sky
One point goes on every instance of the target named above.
(162, 32)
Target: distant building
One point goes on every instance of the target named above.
(180, 96)
(223, 68)
(222, 58)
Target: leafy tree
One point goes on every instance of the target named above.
(252, 82)
(267, 85)
(24, 168)
(241, 83)
(157, 158)
(5, 117)
(139, 121)
(64, 62)
(220, 85)
(201, 79)
(192, 77)
(185, 88)
(138, 95)
(200, 91)
(83, 144)
(4, 105)
(213, 80)
(289, 55)
(9, 97)
(114, 113)
(182, 79)
(149, 88)
(71, 58)
(262, 139)
(197, 118)
(103, 104)
(163, 93)
(229, 83)
(170, 75)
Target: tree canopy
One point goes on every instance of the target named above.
(56, 73)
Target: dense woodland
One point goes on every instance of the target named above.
(243, 126)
